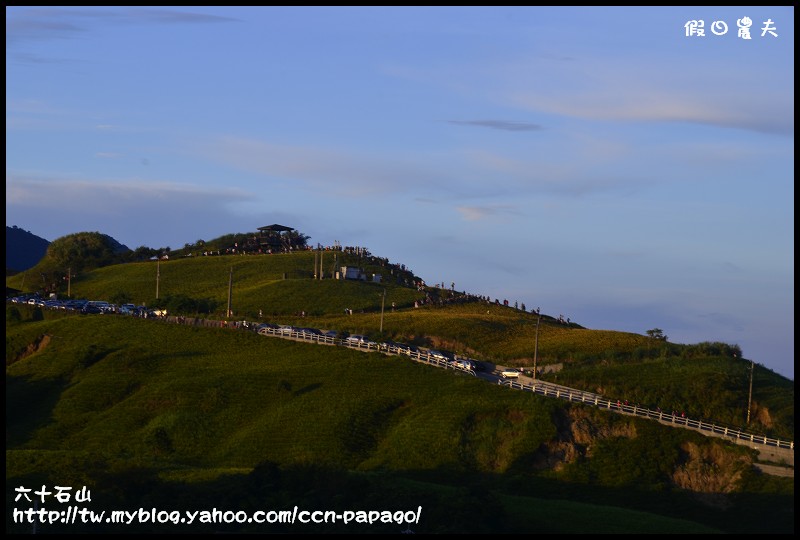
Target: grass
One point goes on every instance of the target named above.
(620, 365)
(190, 389)
(147, 411)
(542, 515)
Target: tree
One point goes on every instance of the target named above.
(121, 297)
(142, 253)
(84, 251)
(657, 333)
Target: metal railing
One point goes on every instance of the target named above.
(419, 356)
(543, 388)
(569, 394)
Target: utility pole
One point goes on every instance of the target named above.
(536, 343)
(230, 288)
(320, 265)
(69, 282)
(750, 397)
(383, 303)
(158, 275)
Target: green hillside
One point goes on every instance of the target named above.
(152, 414)
(148, 413)
(707, 380)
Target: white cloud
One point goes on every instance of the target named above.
(335, 172)
(638, 89)
(477, 213)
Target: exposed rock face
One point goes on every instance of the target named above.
(577, 432)
(761, 415)
(710, 470)
(32, 348)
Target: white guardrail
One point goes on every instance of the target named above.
(569, 394)
(419, 356)
(539, 387)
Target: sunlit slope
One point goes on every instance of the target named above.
(111, 401)
(702, 382)
(204, 396)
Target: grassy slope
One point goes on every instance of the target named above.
(190, 407)
(596, 360)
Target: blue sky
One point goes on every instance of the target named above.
(594, 162)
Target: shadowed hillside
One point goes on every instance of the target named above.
(705, 380)
(188, 417)
(231, 419)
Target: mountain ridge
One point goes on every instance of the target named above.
(24, 249)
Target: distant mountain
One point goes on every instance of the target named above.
(23, 249)
(85, 250)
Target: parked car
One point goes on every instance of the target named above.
(463, 363)
(91, 309)
(398, 348)
(408, 349)
(510, 373)
(357, 339)
(308, 333)
(264, 328)
(439, 355)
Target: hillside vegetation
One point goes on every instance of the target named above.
(706, 380)
(151, 414)
(147, 413)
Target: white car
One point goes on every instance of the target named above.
(438, 355)
(510, 373)
(462, 363)
(359, 340)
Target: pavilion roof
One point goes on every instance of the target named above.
(275, 227)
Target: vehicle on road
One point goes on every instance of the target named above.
(510, 373)
(463, 363)
(438, 355)
(308, 333)
(358, 340)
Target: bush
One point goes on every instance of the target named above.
(13, 314)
